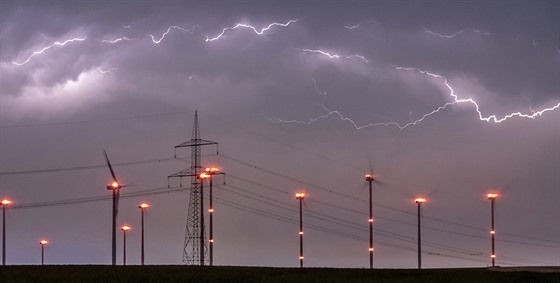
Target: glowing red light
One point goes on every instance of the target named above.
(204, 175)
(125, 228)
(493, 256)
(300, 195)
(371, 249)
(143, 205)
(492, 195)
(43, 242)
(370, 220)
(420, 200)
(6, 202)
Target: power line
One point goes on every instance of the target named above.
(154, 191)
(339, 222)
(87, 167)
(353, 225)
(376, 204)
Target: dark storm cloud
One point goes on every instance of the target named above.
(482, 53)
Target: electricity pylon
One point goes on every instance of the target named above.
(195, 245)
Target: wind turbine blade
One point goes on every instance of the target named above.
(110, 167)
(379, 183)
(370, 164)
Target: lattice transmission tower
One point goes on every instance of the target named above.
(195, 249)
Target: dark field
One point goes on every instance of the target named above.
(99, 273)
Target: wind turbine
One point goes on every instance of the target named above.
(114, 186)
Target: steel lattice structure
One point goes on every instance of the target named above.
(195, 249)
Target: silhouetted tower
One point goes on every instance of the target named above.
(195, 247)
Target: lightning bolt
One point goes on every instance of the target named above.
(456, 100)
(118, 39)
(360, 24)
(333, 56)
(331, 113)
(106, 71)
(248, 45)
(353, 27)
(454, 34)
(56, 43)
(208, 39)
(490, 118)
(169, 30)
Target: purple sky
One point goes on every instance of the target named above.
(444, 99)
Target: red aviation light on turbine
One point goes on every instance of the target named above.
(114, 186)
(300, 195)
(420, 200)
(369, 177)
(6, 202)
(492, 195)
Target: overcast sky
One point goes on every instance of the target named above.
(443, 99)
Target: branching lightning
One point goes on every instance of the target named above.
(248, 45)
(333, 56)
(118, 39)
(330, 113)
(454, 34)
(106, 71)
(169, 30)
(57, 43)
(456, 100)
(353, 27)
(490, 118)
(208, 39)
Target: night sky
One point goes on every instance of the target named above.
(449, 100)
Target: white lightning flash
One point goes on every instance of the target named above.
(56, 43)
(248, 45)
(106, 71)
(118, 39)
(169, 30)
(333, 56)
(456, 100)
(208, 39)
(490, 118)
(353, 27)
(454, 34)
(331, 113)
